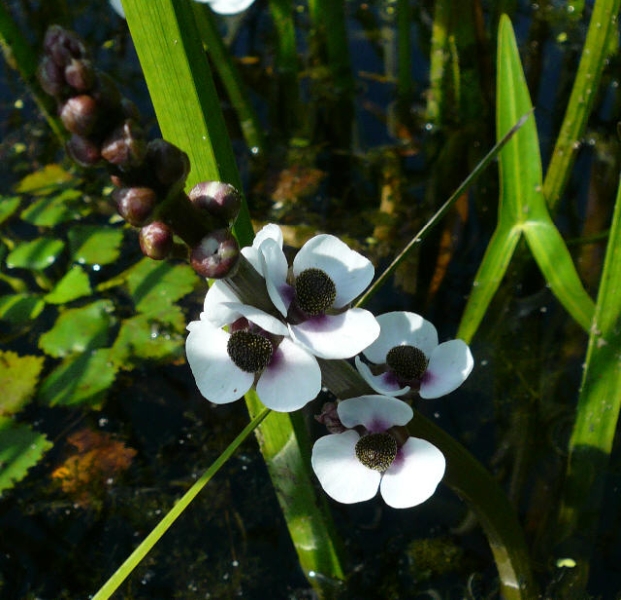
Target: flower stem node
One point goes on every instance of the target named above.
(156, 240)
(216, 255)
(221, 200)
(352, 466)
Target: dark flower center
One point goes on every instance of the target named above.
(376, 451)
(407, 362)
(315, 291)
(251, 352)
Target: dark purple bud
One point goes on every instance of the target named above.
(52, 77)
(216, 255)
(330, 418)
(129, 109)
(106, 92)
(156, 240)
(80, 75)
(83, 150)
(63, 45)
(125, 147)
(221, 200)
(79, 114)
(169, 163)
(135, 204)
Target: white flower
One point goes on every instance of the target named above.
(220, 7)
(351, 467)
(257, 349)
(406, 356)
(313, 297)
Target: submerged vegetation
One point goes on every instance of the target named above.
(469, 150)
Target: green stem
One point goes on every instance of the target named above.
(134, 559)
(601, 32)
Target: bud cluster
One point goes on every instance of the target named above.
(149, 175)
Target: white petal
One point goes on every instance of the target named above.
(227, 7)
(414, 476)
(341, 474)
(217, 377)
(269, 232)
(350, 271)
(402, 328)
(220, 304)
(292, 379)
(261, 318)
(274, 267)
(384, 383)
(337, 336)
(449, 366)
(375, 413)
(118, 8)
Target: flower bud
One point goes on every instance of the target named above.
(170, 164)
(156, 240)
(135, 204)
(83, 150)
(106, 92)
(63, 45)
(221, 200)
(216, 255)
(125, 147)
(79, 114)
(52, 77)
(80, 75)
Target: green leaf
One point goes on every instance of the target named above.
(37, 254)
(156, 284)
(20, 448)
(20, 308)
(94, 245)
(84, 379)
(50, 211)
(19, 376)
(8, 206)
(75, 284)
(150, 337)
(45, 181)
(79, 329)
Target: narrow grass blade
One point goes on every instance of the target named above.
(600, 41)
(134, 559)
(230, 77)
(596, 421)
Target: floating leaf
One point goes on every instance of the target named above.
(19, 376)
(156, 284)
(8, 206)
(150, 337)
(75, 284)
(20, 308)
(79, 329)
(20, 448)
(94, 245)
(84, 379)
(37, 254)
(50, 211)
(98, 458)
(44, 181)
